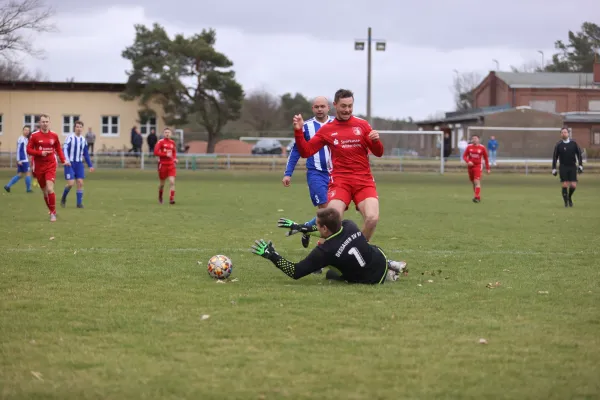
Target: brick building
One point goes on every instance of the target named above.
(532, 100)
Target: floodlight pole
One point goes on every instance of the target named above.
(359, 45)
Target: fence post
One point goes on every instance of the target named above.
(142, 162)
(526, 168)
(122, 159)
(187, 163)
(401, 164)
(228, 161)
(10, 152)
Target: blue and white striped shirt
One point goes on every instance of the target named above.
(321, 160)
(76, 149)
(22, 149)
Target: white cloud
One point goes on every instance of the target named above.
(407, 81)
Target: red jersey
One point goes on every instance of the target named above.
(39, 142)
(166, 149)
(349, 144)
(475, 154)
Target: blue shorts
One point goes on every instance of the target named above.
(318, 182)
(23, 168)
(75, 171)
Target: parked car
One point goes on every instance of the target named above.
(267, 146)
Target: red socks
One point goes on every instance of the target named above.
(46, 200)
(171, 195)
(52, 203)
(477, 192)
(160, 194)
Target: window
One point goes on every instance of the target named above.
(69, 123)
(1, 124)
(596, 137)
(31, 120)
(594, 105)
(110, 125)
(147, 124)
(543, 105)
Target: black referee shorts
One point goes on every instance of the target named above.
(567, 173)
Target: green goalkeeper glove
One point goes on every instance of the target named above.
(264, 249)
(292, 226)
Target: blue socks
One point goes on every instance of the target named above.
(79, 195)
(14, 180)
(28, 183)
(65, 193)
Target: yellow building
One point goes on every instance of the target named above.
(98, 105)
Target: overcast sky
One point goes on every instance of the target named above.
(280, 46)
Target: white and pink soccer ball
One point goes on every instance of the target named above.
(220, 266)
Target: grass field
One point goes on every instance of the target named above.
(107, 302)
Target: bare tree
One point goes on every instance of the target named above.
(462, 87)
(11, 71)
(18, 18)
(528, 67)
(261, 111)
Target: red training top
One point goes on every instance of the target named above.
(349, 144)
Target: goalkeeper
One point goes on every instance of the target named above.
(344, 248)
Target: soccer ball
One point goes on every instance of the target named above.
(220, 266)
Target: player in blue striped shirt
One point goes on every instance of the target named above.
(23, 169)
(317, 166)
(76, 151)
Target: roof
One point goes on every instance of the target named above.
(593, 117)
(467, 115)
(62, 86)
(562, 80)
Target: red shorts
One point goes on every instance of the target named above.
(475, 172)
(347, 191)
(166, 170)
(44, 176)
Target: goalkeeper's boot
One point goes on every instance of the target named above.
(7, 189)
(570, 203)
(399, 267)
(305, 240)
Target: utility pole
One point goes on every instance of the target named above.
(359, 45)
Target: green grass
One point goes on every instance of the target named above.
(111, 307)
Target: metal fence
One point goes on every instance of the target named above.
(237, 162)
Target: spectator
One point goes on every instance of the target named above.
(151, 140)
(447, 145)
(134, 135)
(492, 147)
(137, 142)
(90, 138)
(462, 146)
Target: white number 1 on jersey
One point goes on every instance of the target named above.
(354, 251)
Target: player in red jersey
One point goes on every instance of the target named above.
(349, 139)
(44, 146)
(474, 153)
(166, 149)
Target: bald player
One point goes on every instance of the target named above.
(318, 166)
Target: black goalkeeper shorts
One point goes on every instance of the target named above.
(567, 173)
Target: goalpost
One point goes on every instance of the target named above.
(521, 144)
(424, 147)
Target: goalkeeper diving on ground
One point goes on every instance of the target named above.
(344, 248)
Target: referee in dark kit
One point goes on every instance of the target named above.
(569, 156)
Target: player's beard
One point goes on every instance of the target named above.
(344, 116)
